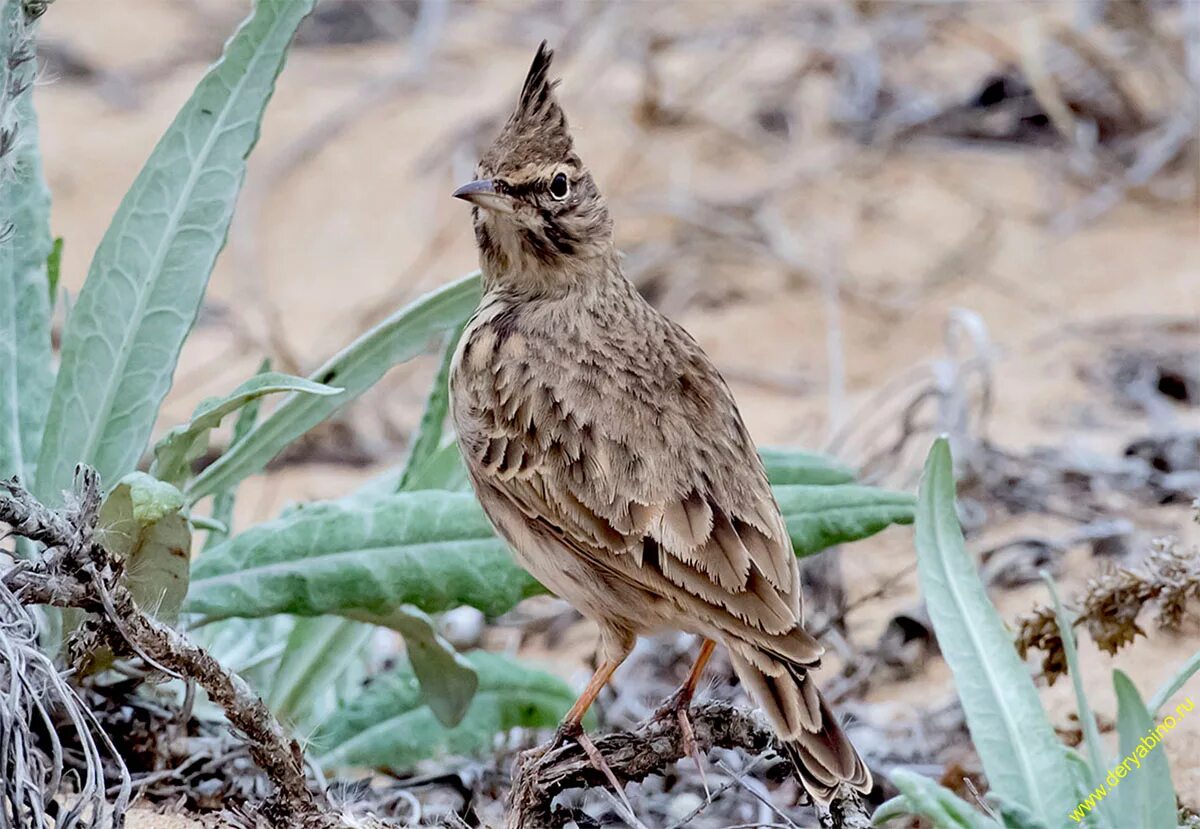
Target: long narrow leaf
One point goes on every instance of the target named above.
(398, 338)
(150, 271)
(223, 502)
(444, 469)
(1146, 796)
(25, 373)
(318, 651)
(433, 419)
(1174, 684)
(175, 452)
(926, 798)
(1020, 752)
(1087, 720)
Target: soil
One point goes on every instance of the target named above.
(906, 235)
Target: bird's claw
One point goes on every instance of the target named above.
(676, 707)
(538, 754)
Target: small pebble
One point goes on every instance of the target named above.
(684, 804)
(462, 627)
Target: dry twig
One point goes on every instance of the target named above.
(75, 572)
(650, 748)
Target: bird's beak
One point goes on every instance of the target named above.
(484, 194)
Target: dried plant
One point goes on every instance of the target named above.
(1112, 602)
(35, 702)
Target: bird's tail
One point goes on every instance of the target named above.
(823, 755)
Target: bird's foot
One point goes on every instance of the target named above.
(676, 708)
(601, 765)
(573, 731)
(567, 730)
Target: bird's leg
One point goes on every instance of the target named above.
(677, 705)
(571, 726)
(682, 698)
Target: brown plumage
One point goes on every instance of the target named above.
(605, 447)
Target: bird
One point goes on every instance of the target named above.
(606, 449)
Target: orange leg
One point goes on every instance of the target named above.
(677, 706)
(572, 724)
(682, 698)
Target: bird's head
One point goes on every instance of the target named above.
(537, 209)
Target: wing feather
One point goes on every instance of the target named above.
(655, 479)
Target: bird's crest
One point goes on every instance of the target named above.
(537, 129)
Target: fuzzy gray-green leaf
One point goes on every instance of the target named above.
(1087, 720)
(433, 419)
(174, 453)
(318, 650)
(150, 271)
(920, 796)
(436, 550)
(359, 366)
(140, 523)
(26, 376)
(820, 516)
(433, 550)
(387, 726)
(1020, 752)
(793, 466)
(1146, 797)
(448, 681)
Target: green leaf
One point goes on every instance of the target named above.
(432, 550)
(250, 648)
(448, 681)
(436, 551)
(1020, 753)
(820, 516)
(149, 273)
(398, 338)
(922, 797)
(791, 466)
(54, 269)
(1146, 797)
(387, 726)
(1174, 684)
(433, 419)
(444, 469)
(1087, 720)
(26, 376)
(1016, 816)
(318, 651)
(173, 455)
(223, 501)
(141, 524)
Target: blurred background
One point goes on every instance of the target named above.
(882, 220)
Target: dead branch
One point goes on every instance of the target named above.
(77, 573)
(650, 748)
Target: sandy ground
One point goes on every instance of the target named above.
(366, 223)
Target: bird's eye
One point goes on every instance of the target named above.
(560, 187)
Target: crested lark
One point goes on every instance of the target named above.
(609, 453)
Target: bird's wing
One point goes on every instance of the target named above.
(650, 473)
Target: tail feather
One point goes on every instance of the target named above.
(814, 741)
